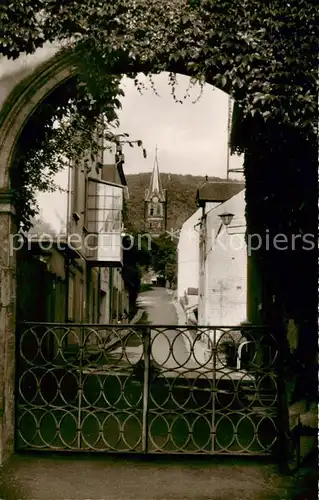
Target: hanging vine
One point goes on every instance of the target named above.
(68, 125)
(263, 54)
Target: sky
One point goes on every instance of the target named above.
(191, 137)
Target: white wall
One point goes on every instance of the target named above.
(188, 255)
(223, 266)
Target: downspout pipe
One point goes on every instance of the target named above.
(67, 258)
(99, 296)
(67, 285)
(110, 294)
(166, 210)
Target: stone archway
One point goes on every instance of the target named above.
(24, 98)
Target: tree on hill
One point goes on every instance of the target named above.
(164, 258)
(136, 258)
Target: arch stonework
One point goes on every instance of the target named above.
(20, 104)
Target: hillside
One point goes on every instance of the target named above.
(181, 195)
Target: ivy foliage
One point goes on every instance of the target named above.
(263, 54)
(66, 127)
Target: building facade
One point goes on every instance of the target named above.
(155, 204)
(79, 271)
(212, 257)
(223, 264)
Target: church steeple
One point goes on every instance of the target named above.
(155, 186)
(155, 203)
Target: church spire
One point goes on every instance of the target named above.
(155, 186)
(155, 211)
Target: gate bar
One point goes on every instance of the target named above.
(146, 356)
(80, 390)
(213, 421)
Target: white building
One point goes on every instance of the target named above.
(188, 263)
(223, 262)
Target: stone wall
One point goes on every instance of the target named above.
(7, 330)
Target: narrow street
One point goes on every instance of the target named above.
(169, 347)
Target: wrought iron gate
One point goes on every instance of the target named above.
(154, 389)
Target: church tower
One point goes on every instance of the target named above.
(155, 203)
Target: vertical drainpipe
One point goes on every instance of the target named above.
(67, 279)
(202, 271)
(67, 258)
(165, 212)
(145, 216)
(110, 293)
(88, 293)
(99, 296)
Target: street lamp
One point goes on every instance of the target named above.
(226, 218)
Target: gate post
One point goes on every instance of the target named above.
(146, 382)
(7, 326)
(283, 441)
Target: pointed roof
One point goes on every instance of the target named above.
(155, 186)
